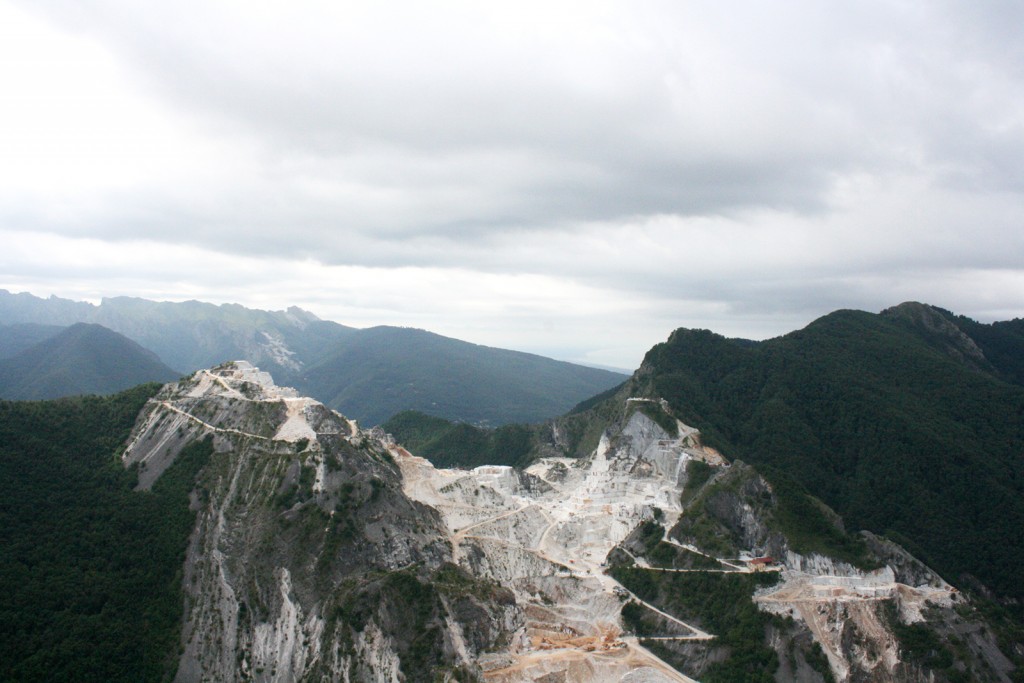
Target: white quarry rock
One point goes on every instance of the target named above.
(548, 543)
(834, 598)
(279, 352)
(297, 426)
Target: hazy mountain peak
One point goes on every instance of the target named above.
(370, 374)
(84, 358)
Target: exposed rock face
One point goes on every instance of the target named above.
(852, 613)
(308, 562)
(546, 533)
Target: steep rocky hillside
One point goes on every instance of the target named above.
(654, 545)
(774, 572)
(322, 551)
(308, 561)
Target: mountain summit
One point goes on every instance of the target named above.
(81, 359)
(909, 422)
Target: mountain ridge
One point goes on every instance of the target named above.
(353, 370)
(544, 532)
(897, 420)
(84, 358)
(412, 363)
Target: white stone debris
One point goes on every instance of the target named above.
(546, 532)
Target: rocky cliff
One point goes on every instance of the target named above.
(308, 562)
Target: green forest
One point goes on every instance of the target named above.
(884, 419)
(90, 569)
(455, 444)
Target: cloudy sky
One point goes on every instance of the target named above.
(570, 178)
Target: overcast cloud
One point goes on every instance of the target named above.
(573, 179)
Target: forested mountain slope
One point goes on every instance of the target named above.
(322, 551)
(17, 337)
(900, 421)
(909, 423)
(381, 371)
(80, 359)
(90, 570)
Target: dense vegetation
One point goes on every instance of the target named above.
(90, 570)
(410, 604)
(887, 419)
(810, 527)
(450, 444)
(698, 473)
(16, 338)
(711, 520)
(1001, 342)
(719, 603)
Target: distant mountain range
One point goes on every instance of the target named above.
(80, 359)
(368, 374)
(403, 368)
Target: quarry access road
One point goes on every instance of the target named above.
(462, 532)
(613, 586)
(642, 563)
(586, 569)
(222, 430)
(694, 549)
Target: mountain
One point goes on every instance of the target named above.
(844, 478)
(309, 561)
(457, 444)
(191, 334)
(26, 308)
(368, 374)
(381, 371)
(16, 338)
(898, 420)
(307, 548)
(998, 347)
(81, 359)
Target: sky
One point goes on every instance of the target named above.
(575, 179)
